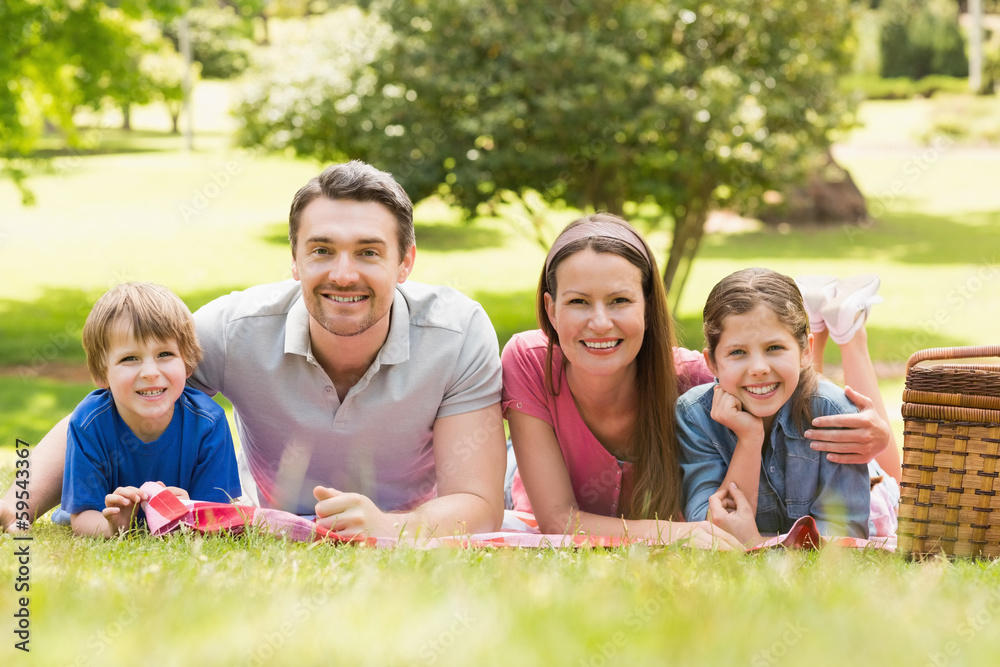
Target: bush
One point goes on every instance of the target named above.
(220, 41)
(901, 88)
(919, 39)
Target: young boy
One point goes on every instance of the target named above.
(143, 424)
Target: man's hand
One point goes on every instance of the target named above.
(351, 514)
(739, 522)
(854, 438)
(120, 507)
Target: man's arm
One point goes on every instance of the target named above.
(856, 437)
(470, 460)
(45, 465)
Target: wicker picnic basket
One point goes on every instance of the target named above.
(950, 502)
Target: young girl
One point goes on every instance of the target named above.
(747, 465)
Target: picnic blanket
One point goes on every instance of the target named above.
(166, 513)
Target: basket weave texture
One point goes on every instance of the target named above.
(951, 456)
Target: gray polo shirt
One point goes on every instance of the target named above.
(440, 359)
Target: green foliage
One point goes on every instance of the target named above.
(922, 38)
(220, 39)
(58, 55)
(901, 88)
(592, 104)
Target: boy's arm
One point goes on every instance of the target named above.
(117, 517)
(91, 523)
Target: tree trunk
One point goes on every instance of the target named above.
(266, 37)
(689, 229)
(175, 117)
(126, 117)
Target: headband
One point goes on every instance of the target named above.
(602, 229)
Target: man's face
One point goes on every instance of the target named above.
(347, 259)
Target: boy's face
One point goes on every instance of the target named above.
(145, 379)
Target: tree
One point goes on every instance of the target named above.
(164, 68)
(56, 56)
(589, 103)
(220, 40)
(919, 39)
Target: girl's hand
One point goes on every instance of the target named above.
(739, 522)
(728, 411)
(702, 535)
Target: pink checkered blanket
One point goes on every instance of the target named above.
(166, 513)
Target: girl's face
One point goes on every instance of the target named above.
(598, 311)
(758, 361)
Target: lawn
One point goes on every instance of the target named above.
(257, 601)
(211, 221)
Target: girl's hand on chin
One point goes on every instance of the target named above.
(728, 411)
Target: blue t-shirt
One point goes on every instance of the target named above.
(195, 453)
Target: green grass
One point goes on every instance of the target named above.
(252, 600)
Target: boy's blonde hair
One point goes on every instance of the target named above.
(149, 312)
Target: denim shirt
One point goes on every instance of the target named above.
(794, 479)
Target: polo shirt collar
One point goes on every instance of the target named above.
(297, 329)
(395, 350)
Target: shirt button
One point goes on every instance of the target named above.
(771, 469)
(519, 404)
(329, 389)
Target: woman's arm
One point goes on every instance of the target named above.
(546, 480)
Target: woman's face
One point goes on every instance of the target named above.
(598, 311)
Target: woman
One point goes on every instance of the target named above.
(590, 397)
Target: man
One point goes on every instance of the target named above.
(373, 403)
